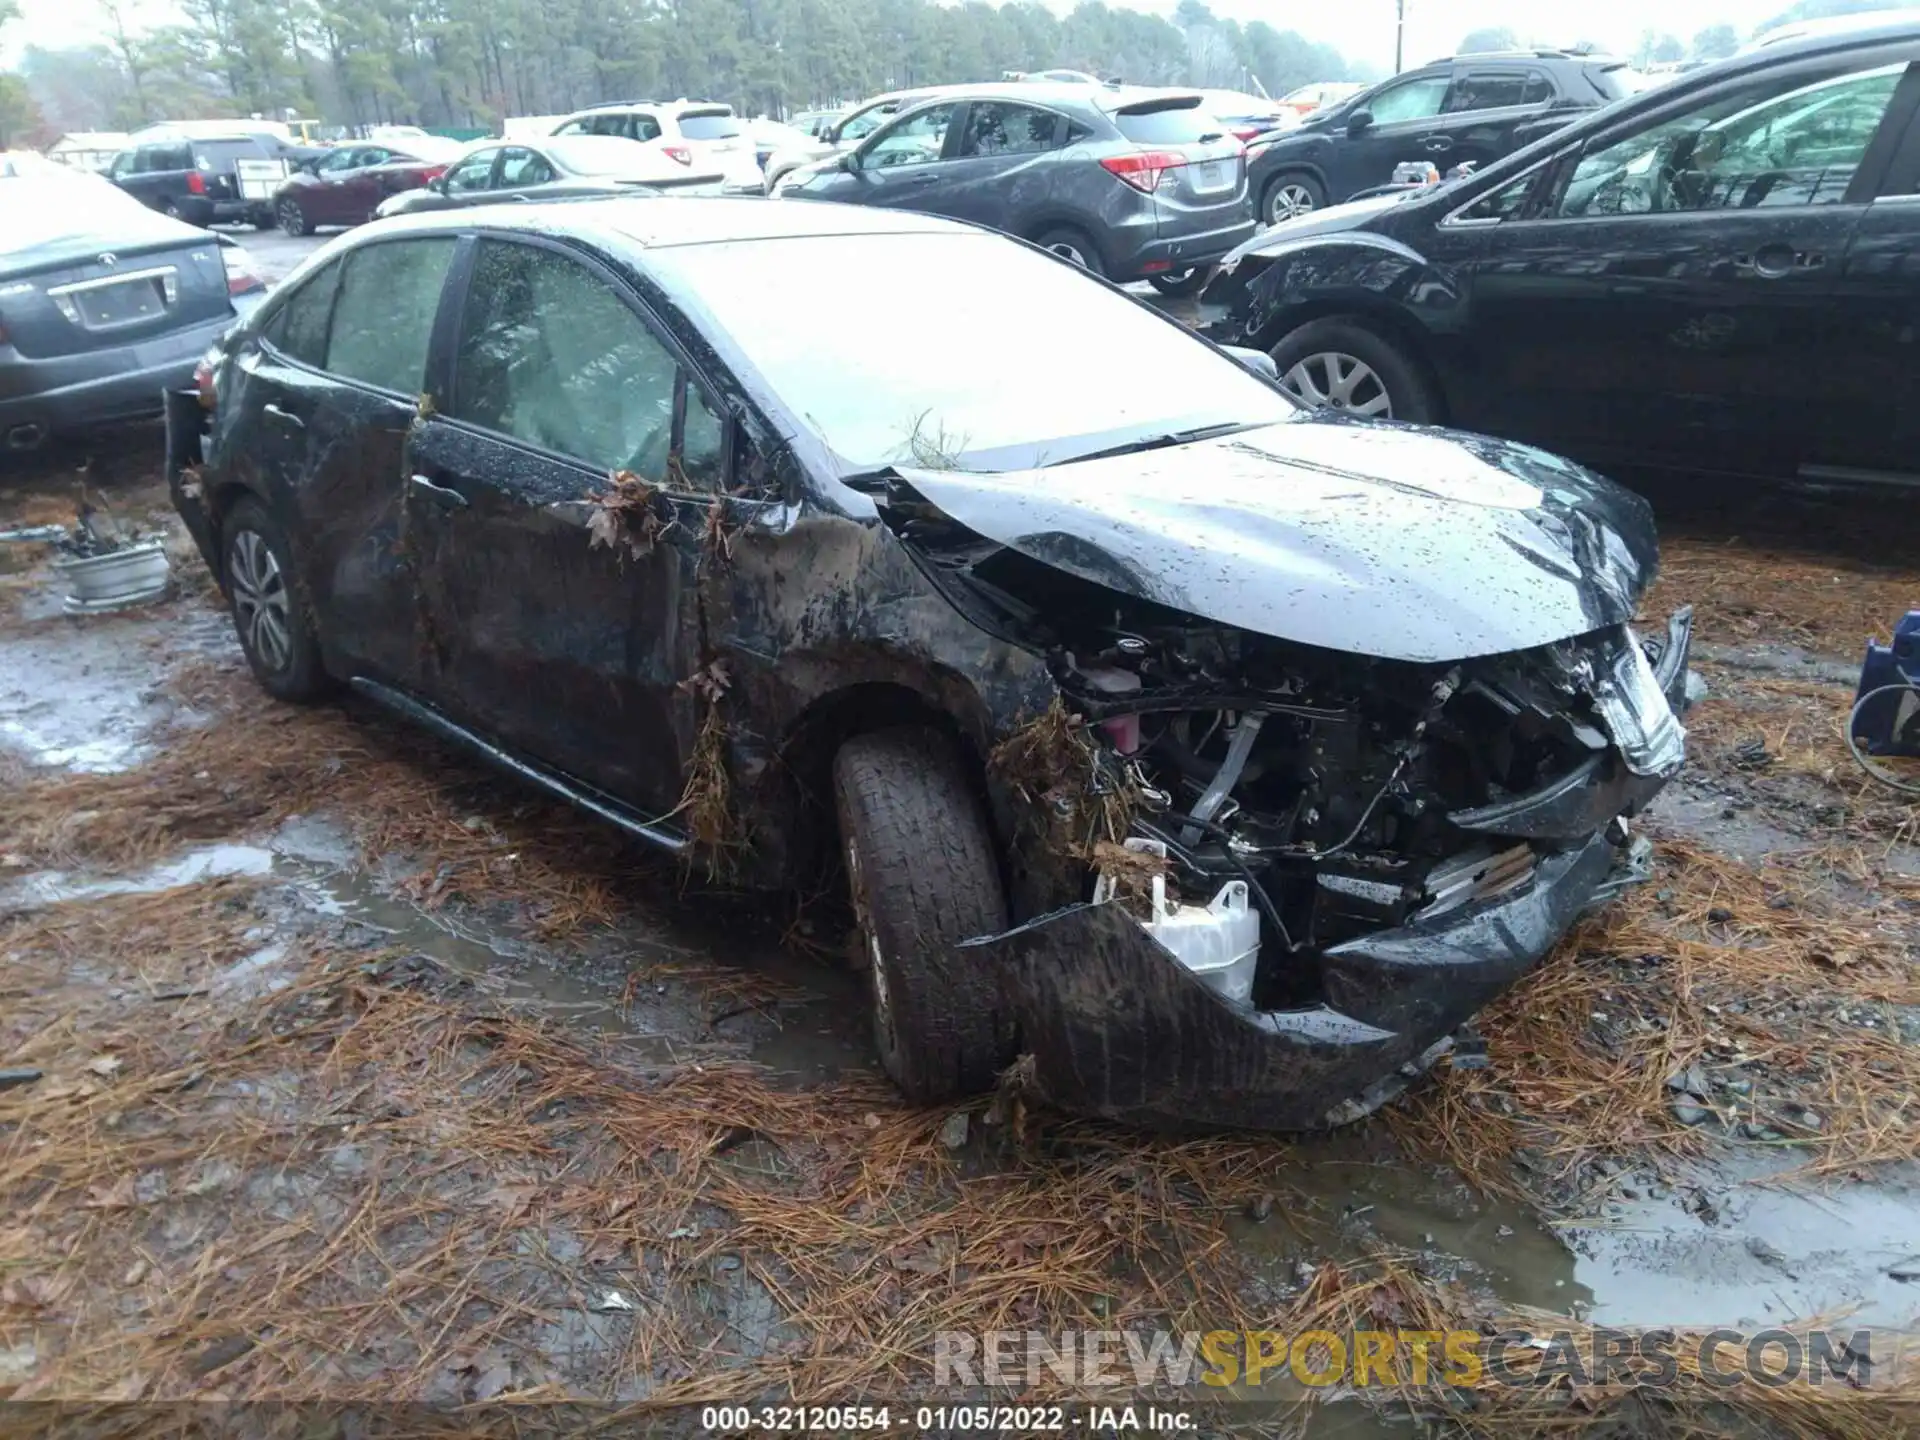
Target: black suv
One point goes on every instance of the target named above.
(1714, 277)
(196, 178)
(1470, 109)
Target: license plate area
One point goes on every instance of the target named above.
(119, 301)
(1210, 177)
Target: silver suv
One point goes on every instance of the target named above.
(683, 130)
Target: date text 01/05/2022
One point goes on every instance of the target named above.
(1018, 1419)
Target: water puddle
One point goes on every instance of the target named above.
(213, 862)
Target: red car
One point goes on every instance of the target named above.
(347, 186)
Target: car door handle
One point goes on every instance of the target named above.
(1439, 144)
(1776, 262)
(924, 179)
(441, 495)
(286, 416)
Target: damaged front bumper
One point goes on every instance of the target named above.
(1115, 1026)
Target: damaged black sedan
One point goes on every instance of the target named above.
(1208, 759)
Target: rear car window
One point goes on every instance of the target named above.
(1605, 79)
(383, 317)
(166, 157)
(299, 329)
(1166, 124)
(711, 127)
(1487, 90)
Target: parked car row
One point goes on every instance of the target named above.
(1716, 276)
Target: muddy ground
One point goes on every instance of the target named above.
(365, 1075)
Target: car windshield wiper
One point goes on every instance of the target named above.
(1164, 441)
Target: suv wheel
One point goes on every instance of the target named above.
(1182, 282)
(1290, 194)
(170, 207)
(1340, 364)
(1073, 247)
(923, 873)
(293, 219)
(270, 615)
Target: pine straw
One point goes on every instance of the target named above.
(361, 1188)
(1387, 1293)
(473, 836)
(1582, 1048)
(1743, 593)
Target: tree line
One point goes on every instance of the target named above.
(474, 62)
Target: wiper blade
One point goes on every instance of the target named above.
(1166, 441)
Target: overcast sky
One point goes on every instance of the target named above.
(1360, 28)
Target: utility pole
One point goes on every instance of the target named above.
(1399, 34)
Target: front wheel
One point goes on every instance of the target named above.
(922, 870)
(293, 219)
(1289, 195)
(1339, 363)
(1182, 282)
(270, 613)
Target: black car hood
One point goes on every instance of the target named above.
(1395, 541)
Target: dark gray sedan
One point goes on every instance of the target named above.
(554, 168)
(1132, 184)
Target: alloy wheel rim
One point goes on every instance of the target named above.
(1334, 380)
(289, 216)
(260, 602)
(1067, 250)
(1290, 201)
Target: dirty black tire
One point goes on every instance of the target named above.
(170, 208)
(922, 871)
(257, 571)
(1072, 246)
(1409, 392)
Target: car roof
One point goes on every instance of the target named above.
(662, 222)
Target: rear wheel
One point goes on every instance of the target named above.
(170, 207)
(1182, 282)
(270, 614)
(922, 870)
(1072, 246)
(1289, 194)
(1340, 364)
(293, 219)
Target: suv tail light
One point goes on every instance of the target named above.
(203, 378)
(678, 152)
(196, 183)
(1143, 168)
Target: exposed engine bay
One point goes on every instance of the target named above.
(1350, 794)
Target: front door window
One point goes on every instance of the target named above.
(914, 140)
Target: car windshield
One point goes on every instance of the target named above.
(918, 350)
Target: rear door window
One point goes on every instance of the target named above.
(551, 355)
(162, 159)
(299, 329)
(995, 127)
(1487, 90)
(383, 316)
(1166, 124)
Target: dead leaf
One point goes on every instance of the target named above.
(136, 1272)
(33, 1292)
(117, 1196)
(105, 1065)
(512, 1200)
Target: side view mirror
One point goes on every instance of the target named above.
(1359, 121)
(1258, 361)
(438, 184)
(848, 161)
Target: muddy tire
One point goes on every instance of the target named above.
(271, 614)
(922, 871)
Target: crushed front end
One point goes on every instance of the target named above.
(1382, 845)
(1414, 838)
